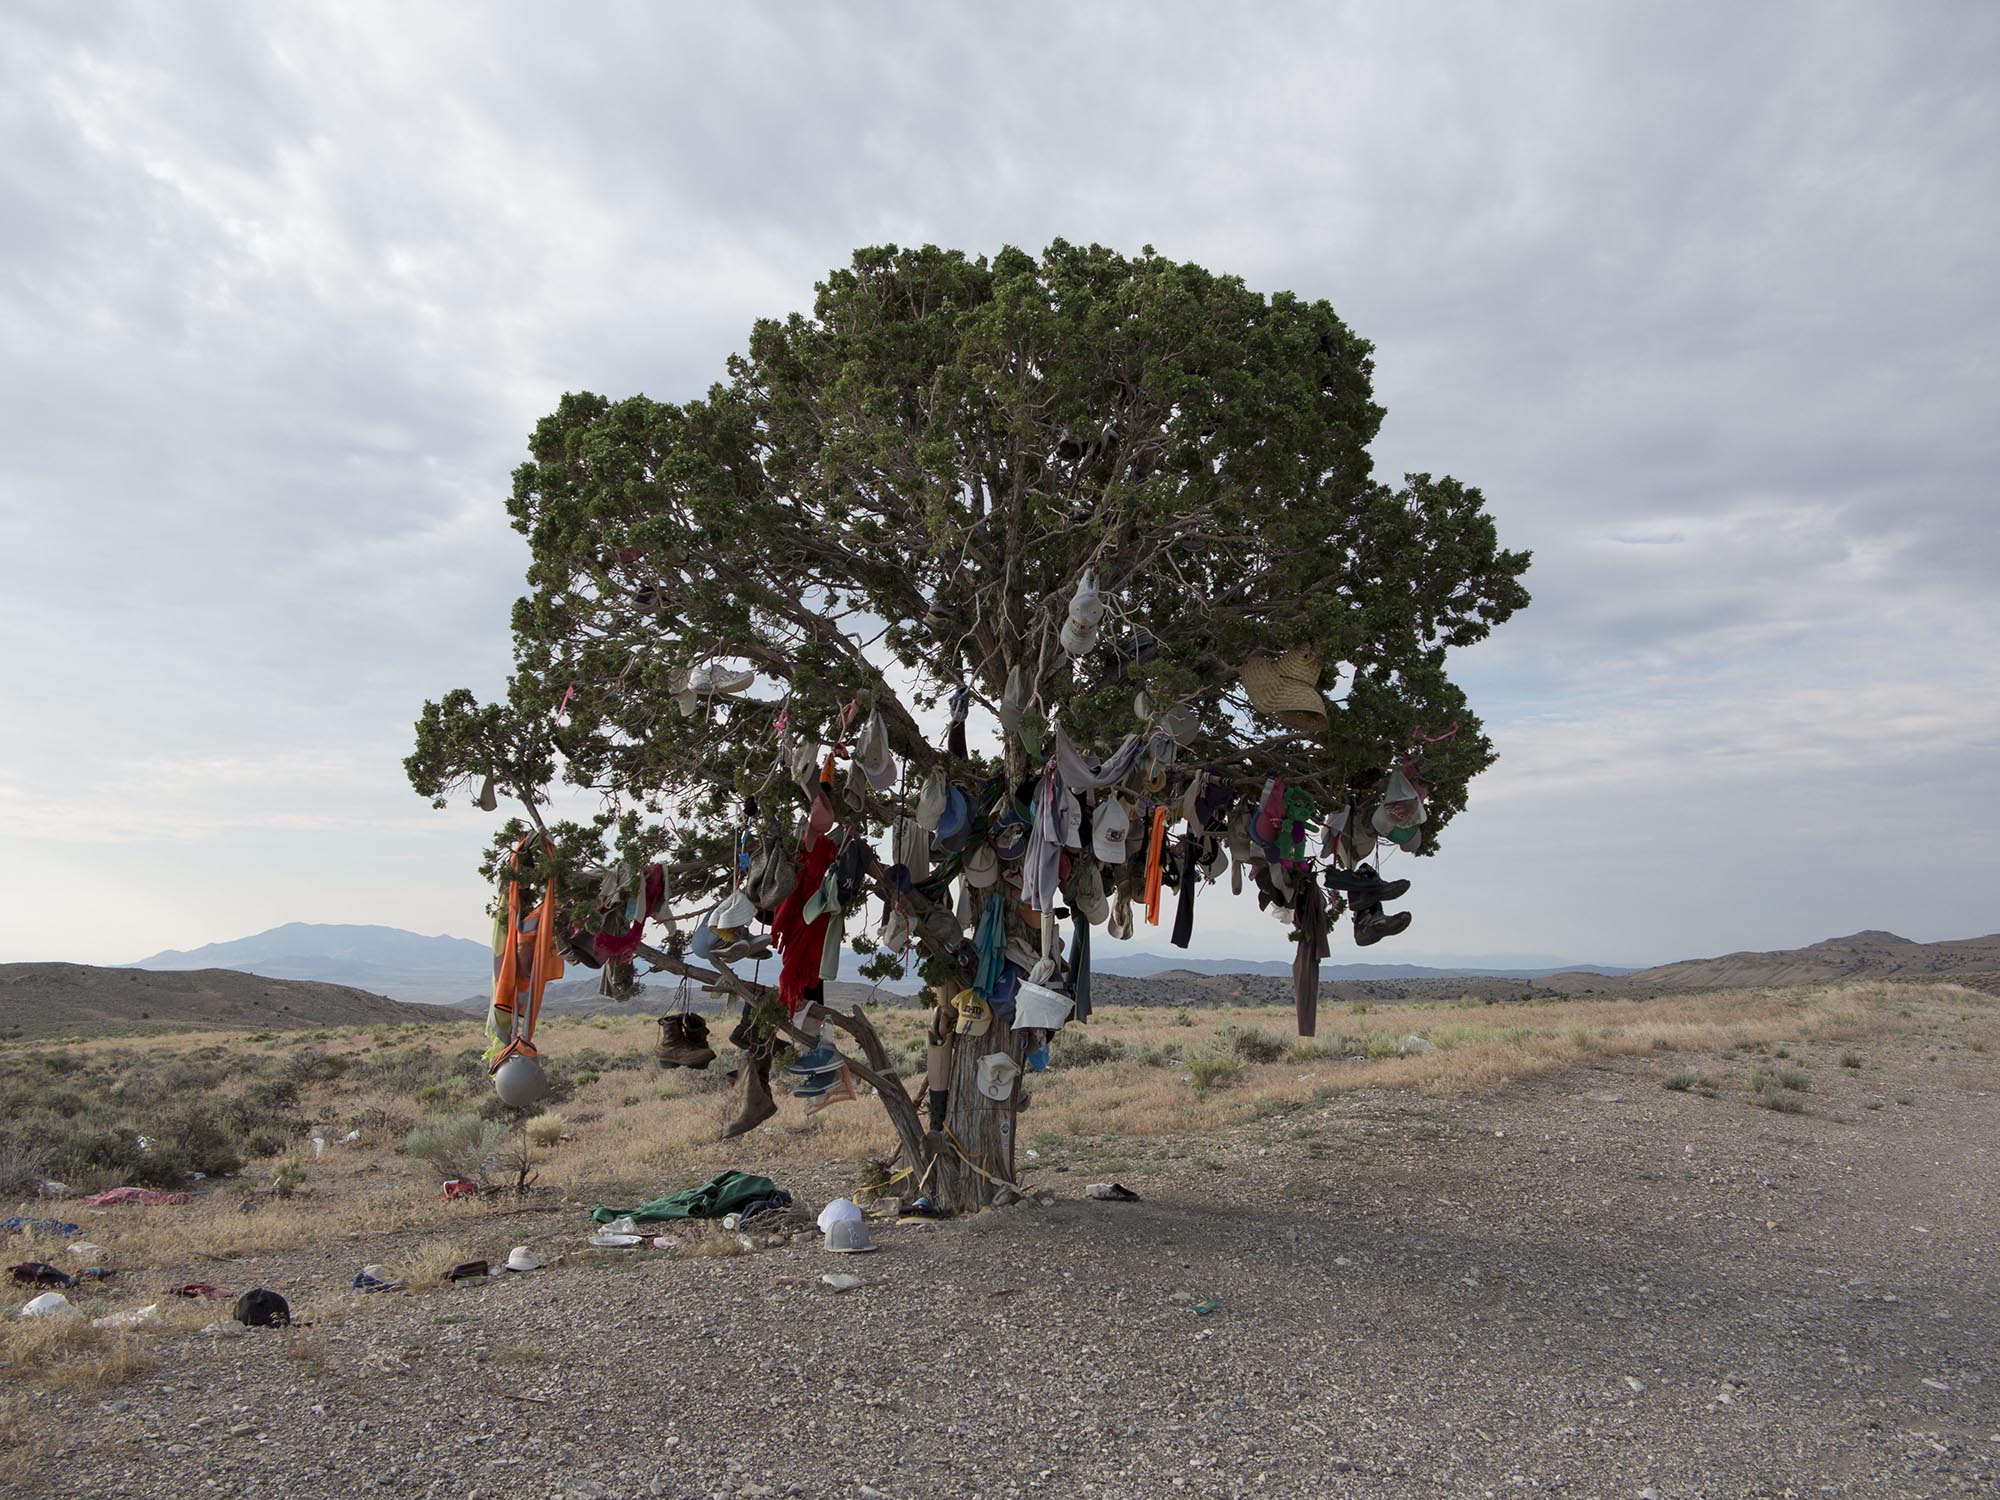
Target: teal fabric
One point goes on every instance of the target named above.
(991, 947)
(722, 1194)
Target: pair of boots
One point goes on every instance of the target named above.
(684, 1042)
(1366, 890)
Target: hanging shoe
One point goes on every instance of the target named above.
(1365, 880)
(819, 1083)
(822, 1059)
(754, 1082)
(684, 1042)
(1372, 927)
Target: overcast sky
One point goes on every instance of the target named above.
(1702, 296)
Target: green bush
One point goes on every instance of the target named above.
(1209, 1073)
(1075, 1048)
(456, 1147)
(1253, 1045)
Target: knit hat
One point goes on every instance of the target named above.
(1286, 688)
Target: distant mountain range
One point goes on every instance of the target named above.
(210, 988)
(456, 971)
(387, 960)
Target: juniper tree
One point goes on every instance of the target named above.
(893, 498)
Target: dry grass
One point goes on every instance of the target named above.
(635, 1133)
(430, 1263)
(69, 1354)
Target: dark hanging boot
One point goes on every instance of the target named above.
(1365, 880)
(939, 1098)
(684, 1042)
(1372, 926)
(753, 1081)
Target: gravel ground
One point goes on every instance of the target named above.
(1584, 1284)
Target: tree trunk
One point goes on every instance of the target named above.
(979, 1132)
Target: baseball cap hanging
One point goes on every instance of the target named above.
(975, 1016)
(982, 866)
(1109, 829)
(1286, 688)
(996, 1075)
(872, 754)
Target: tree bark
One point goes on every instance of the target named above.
(974, 1154)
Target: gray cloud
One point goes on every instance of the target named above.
(1696, 294)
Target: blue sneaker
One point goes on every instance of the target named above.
(822, 1059)
(1038, 1060)
(817, 1084)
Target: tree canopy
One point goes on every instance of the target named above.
(895, 498)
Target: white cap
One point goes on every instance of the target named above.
(521, 1258)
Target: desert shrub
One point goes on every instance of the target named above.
(457, 1147)
(1253, 1045)
(547, 1129)
(1680, 1083)
(1209, 1073)
(1073, 1048)
(265, 1141)
(24, 1162)
(191, 1139)
(1165, 1055)
(1850, 1059)
(1778, 1099)
(274, 1095)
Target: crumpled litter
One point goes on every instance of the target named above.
(147, 1197)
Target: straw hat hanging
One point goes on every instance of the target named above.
(1287, 688)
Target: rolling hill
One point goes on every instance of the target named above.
(38, 1000)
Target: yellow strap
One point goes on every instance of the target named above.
(886, 1182)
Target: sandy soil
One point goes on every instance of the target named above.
(1581, 1284)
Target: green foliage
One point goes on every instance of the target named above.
(909, 452)
(1210, 1073)
(1074, 1047)
(456, 1147)
(1255, 1046)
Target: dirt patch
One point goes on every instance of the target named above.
(1581, 1281)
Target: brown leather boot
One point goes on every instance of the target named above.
(753, 1081)
(684, 1042)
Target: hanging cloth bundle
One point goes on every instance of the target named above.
(1155, 870)
(1309, 924)
(524, 961)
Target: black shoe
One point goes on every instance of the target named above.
(1378, 925)
(1365, 880)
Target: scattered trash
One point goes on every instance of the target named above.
(521, 1258)
(469, 1270)
(1414, 1044)
(626, 1225)
(146, 1197)
(50, 1305)
(1111, 1192)
(56, 1227)
(39, 1273)
(836, 1212)
(201, 1289)
(84, 1250)
(376, 1278)
(262, 1308)
(616, 1241)
(49, 1188)
(665, 1242)
(841, 1283)
(1204, 1307)
(849, 1237)
(133, 1318)
(922, 1211)
(95, 1273)
(458, 1187)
